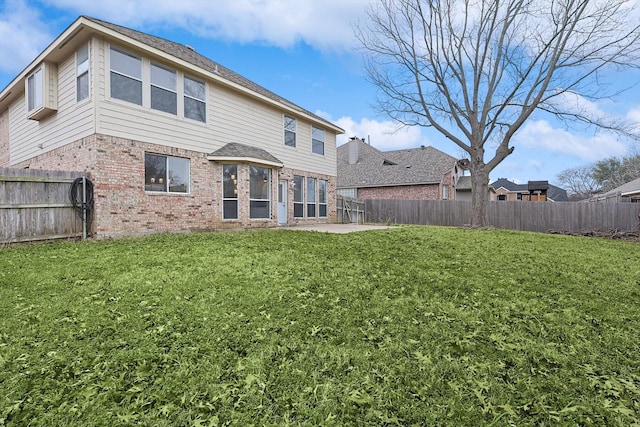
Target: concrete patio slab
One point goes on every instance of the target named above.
(337, 228)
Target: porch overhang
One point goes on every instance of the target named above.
(241, 153)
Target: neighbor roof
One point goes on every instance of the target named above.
(631, 188)
(374, 168)
(181, 52)
(464, 183)
(554, 193)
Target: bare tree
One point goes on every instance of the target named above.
(476, 70)
(579, 182)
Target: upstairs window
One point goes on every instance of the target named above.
(317, 140)
(289, 131)
(163, 89)
(42, 91)
(195, 106)
(82, 72)
(126, 76)
(35, 90)
(166, 173)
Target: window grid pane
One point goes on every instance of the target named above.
(298, 196)
(166, 173)
(230, 192)
(311, 197)
(194, 100)
(289, 131)
(259, 192)
(178, 175)
(126, 77)
(317, 140)
(194, 109)
(164, 100)
(322, 198)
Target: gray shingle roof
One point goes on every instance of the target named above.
(631, 187)
(554, 193)
(464, 183)
(374, 168)
(187, 54)
(241, 151)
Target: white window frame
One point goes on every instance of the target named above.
(163, 87)
(290, 126)
(165, 180)
(300, 202)
(82, 70)
(317, 142)
(123, 74)
(187, 96)
(253, 199)
(230, 179)
(311, 205)
(35, 90)
(322, 201)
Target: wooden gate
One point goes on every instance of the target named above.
(35, 205)
(350, 210)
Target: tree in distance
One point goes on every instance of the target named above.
(476, 70)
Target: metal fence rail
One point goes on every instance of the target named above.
(35, 205)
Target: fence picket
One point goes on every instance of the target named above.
(34, 205)
(525, 216)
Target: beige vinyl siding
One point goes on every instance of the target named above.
(241, 119)
(71, 122)
(231, 117)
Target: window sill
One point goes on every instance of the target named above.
(40, 113)
(165, 193)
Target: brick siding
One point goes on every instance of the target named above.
(402, 192)
(123, 207)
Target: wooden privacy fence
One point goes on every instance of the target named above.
(350, 210)
(525, 216)
(35, 205)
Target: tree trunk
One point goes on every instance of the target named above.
(479, 198)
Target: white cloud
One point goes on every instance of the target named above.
(326, 24)
(383, 135)
(541, 135)
(23, 35)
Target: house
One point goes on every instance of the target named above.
(505, 190)
(626, 193)
(423, 173)
(463, 188)
(170, 139)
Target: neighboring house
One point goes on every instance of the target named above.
(463, 188)
(505, 190)
(170, 139)
(626, 193)
(423, 173)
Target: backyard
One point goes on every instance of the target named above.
(405, 326)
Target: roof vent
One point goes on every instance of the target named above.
(191, 48)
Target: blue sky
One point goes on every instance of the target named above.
(305, 51)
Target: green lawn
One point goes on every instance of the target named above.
(407, 326)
